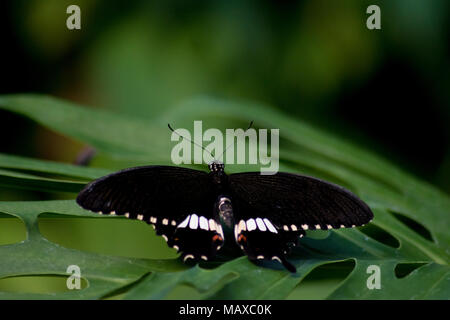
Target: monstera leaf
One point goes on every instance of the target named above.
(407, 242)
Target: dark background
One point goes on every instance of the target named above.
(386, 90)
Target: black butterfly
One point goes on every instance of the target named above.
(187, 207)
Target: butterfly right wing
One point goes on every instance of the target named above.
(273, 211)
(178, 202)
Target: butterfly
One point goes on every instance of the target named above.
(190, 208)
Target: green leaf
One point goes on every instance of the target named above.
(115, 134)
(38, 256)
(22, 173)
(50, 167)
(303, 149)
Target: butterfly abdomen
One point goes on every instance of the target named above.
(225, 211)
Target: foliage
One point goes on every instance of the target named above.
(395, 197)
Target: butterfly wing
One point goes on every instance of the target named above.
(272, 211)
(178, 202)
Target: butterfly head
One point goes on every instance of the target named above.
(216, 166)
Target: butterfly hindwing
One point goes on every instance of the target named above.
(176, 201)
(259, 238)
(197, 237)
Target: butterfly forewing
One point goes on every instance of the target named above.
(176, 201)
(295, 202)
(157, 191)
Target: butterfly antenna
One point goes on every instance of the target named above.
(249, 126)
(199, 145)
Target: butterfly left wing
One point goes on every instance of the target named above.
(272, 211)
(177, 202)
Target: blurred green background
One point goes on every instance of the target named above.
(386, 90)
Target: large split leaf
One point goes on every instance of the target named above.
(23, 173)
(116, 134)
(38, 256)
(390, 192)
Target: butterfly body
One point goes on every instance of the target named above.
(267, 213)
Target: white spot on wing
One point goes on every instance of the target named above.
(203, 223)
(188, 256)
(165, 221)
(242, 226)
(329, 226)
(317, 226)
(212, 225)
(294, 227)
(270, 226)
(251, 225)
(260, 257)
(238, 228)
(140, 217)
(184, 223)
(276, 258)
(261, 225)
(304, 226)
(193, 223)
